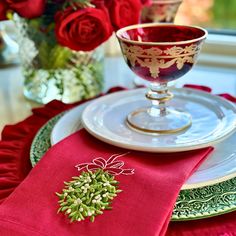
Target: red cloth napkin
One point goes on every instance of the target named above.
(143, 208)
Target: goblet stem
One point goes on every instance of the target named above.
(159, 95)
(158, 119)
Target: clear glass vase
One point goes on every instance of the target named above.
(52, 71)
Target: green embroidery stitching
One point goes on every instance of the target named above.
(88, 195)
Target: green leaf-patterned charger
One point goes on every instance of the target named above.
(191, 204)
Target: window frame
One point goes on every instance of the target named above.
(219, 50)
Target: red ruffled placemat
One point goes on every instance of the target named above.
(16, 142)
(15, 165)
(15, 146)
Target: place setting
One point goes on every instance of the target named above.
(161, 121)
(156, 159)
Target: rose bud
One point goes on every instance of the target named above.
(3, 10)
(27, 8)
(124, 12)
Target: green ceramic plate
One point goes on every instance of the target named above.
(191, 204)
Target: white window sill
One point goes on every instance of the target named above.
(219, 51)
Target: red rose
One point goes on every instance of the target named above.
(124, 12)
(3, 10)
(82, 29)
(27, 8)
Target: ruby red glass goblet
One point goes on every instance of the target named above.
(160, 53)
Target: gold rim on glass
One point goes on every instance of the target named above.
(140, 26)
(150, 131)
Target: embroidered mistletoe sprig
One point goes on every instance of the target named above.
(92, 192)
(88, 195)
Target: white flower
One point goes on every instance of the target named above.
(78, 201)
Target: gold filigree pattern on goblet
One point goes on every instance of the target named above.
(155, 59)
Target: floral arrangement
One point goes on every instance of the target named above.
(80, 25)
(59, 43)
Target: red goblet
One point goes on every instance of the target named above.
(160, 53)
(160, 11)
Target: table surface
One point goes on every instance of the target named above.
(14, 107)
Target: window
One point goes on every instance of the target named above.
(219, 18)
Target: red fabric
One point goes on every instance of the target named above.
(143, 208)
(15, 165)
(224, 225)
(15, 145)
(228, 97)
(16, 141)
(198, 87)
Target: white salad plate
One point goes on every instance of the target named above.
(214, 120)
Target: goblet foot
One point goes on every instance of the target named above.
(172, 121)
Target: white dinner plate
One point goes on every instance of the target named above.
(220, 165)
